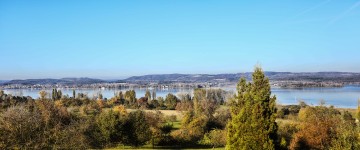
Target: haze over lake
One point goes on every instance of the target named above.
(345, 97)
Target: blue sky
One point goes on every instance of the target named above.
(117, 39)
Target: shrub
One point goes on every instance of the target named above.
(215, 138)
(40, 126)
(325, 128)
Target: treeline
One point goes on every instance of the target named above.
(248, 119)
(77, 122)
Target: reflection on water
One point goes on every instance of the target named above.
(340, 97)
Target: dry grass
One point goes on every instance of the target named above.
(350, 110)
(178, 114)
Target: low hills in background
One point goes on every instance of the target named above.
(339, 77)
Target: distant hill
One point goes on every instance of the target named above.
(3, 81)
(343, 77)
(63, 81)
(183, 78)
(274, 76)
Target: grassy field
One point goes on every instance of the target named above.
(350, 110)
(176, 125)
(146, 147)
(176, 113)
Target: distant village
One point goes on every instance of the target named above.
(176, 85)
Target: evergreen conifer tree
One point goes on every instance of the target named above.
(253, 114)
(74, 93)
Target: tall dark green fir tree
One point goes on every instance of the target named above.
(74, 94)
(253, 114)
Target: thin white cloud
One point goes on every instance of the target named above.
(295, 18)
(351, 8)
(312, 8)
(306, 21)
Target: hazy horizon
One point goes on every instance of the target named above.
(125, 77)
(111, 39)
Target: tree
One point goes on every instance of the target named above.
(148, 94)
(216, 96)
(53, 94)
(143, 103)
(18, 128)
(1, 93)
(161, 102)
(199, 96)
(171, 101)
(56, 94)
(192, 129)
(215, 138)
(121, 109)
(253, 114)
(130, 97)
(156, 123)
(120, 95)
(42, 94)
(207, 101)
(153, 94)
(40, 125)
(325, 128)
(140, 129)
(347, 133)
(154, 104)
(100, 96)
(110, 128)
(74, 93)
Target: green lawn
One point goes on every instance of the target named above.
(146, 147)
(176, 125)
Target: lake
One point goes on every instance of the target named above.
(346, 97)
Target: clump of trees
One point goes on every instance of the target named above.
(289, 110)
(323, 127)
(171, 101)
(40, 125)
(201, 122)
(7, 100)
(112, 128)
(56, 94)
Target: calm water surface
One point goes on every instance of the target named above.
(340, 97)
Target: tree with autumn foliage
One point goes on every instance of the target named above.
(325, 128)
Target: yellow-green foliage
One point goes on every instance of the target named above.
(325, 128)
(140, 129)
(40, 125)
(358, 112)
(120, 109)
(215, 138)
(192, 130)
(286, 130)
